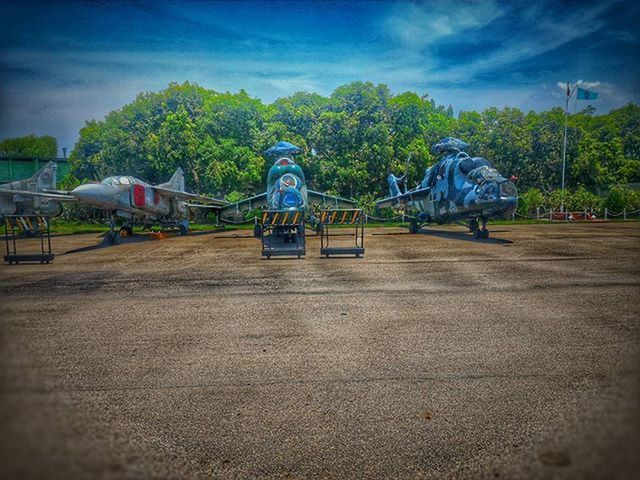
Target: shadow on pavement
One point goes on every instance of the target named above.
(464, 236)
(98, 246)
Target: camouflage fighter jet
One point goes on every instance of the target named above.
(35, 195)
(137, 202)
(286, 190)
(458, 188)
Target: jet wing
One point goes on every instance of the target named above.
(51, 196)
(210, 201)
(324, 199)
(246, 204)
(404, 199)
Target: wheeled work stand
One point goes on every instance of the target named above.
(283, 233)
(332, 218)
(14, 224)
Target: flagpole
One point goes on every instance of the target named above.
(564, 143)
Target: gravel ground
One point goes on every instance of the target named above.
(434, 356)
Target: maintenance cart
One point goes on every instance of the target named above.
(14, 224)
(328, 219)
(283, 233)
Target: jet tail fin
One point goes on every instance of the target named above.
(176, 182)
(44, 179)
(47, 176)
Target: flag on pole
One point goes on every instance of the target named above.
(584, 94)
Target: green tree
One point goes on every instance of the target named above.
(30, 146)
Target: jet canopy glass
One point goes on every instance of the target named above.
(121, 180)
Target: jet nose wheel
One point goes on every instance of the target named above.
(111, 238)
(257, 231)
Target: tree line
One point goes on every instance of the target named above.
(351, 141)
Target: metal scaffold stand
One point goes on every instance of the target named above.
(14, 225)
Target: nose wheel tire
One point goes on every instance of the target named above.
(183, 230)
(481, 233)
(111, 238)
(414, 227)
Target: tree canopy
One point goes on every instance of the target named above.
(30, 146)
(351, 140)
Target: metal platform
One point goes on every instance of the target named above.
(283, 234)
(329, 219)
(14, 224)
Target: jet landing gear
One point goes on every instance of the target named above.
(414, 226)
(111, 237)
(478, 232)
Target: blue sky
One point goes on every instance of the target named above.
(62, 63)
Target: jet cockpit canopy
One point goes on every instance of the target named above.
(121, 180)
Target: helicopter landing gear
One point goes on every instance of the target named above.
(479, 232)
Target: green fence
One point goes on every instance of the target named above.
(18, 168)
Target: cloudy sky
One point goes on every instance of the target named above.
(62, 63)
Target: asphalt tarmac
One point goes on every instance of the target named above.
(434, 356)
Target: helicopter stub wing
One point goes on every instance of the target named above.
(330, 200)
(250, 203)
(405, 199)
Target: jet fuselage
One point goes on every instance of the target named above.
(131, 198)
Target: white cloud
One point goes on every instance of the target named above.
(416, 26)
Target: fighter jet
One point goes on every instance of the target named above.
(458, 188)
(137, 202)
(33, 196)
(286, 190)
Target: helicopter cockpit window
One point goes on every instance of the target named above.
(124, 181)
(284, 161)
(289, 180)
(483, 174)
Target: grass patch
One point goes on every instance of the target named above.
(62, 226)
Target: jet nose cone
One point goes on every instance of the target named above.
(96, 195)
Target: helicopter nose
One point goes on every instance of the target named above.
(96, 195)
(509, 205)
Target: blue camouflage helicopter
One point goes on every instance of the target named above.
(458, 188)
